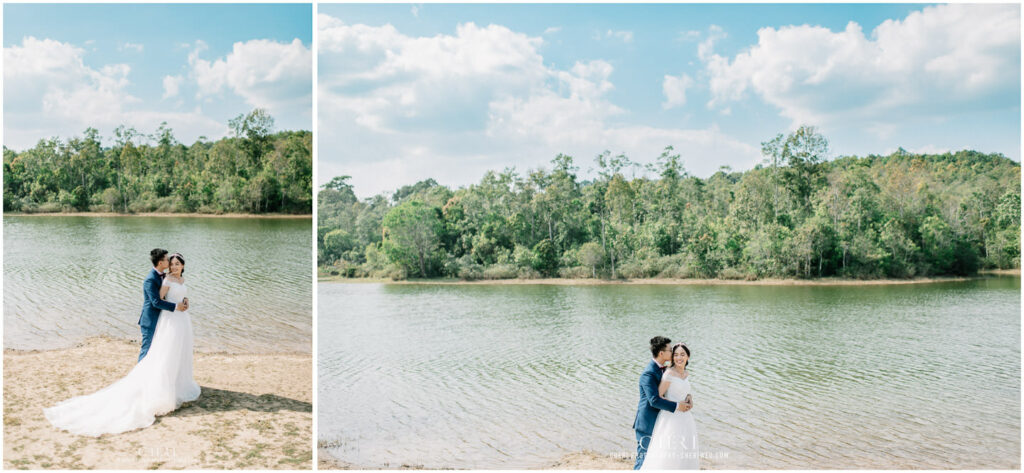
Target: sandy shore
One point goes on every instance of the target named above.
(585, 460)
(672, 282)
(255, 412)
(326, 461)
(1001, 272)
(588, 460)
(152, 214)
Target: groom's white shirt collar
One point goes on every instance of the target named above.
(656, 362)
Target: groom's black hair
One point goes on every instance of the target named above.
(658, 344)
(156, 255)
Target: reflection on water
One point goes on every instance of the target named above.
(476, 376)
(68, 278)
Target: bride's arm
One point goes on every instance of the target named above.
(663, 387)
(163, 291)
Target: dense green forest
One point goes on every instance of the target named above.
(253, 171)
(795, 215)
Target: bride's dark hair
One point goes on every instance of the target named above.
(685, 348)
(180, 258)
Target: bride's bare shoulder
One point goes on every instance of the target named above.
(675, 374)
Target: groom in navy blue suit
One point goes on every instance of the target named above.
(650, 400)
(152, 304)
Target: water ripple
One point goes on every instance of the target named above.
(69, 278)
(515, 376)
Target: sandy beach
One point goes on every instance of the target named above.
(326, 461)
(255, 412)
(588, 460)
(585, 460)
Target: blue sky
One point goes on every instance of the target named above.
(71, 66)
(409, 92)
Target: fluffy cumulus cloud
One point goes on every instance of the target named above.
(395, 109)
(134, 47)
(674, 89)
(268, 74)
(49, 91)
(934, 63)
(171, 86)
(624, 36)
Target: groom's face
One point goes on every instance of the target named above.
(665, 354)
(162, 265)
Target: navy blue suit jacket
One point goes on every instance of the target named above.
(152, 304)
(650, 401)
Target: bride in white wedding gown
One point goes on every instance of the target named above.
(158, 384)
(674, 439)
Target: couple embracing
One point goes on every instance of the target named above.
(666, 433)
(161, 380)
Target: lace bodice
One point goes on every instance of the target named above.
(176, 293)
(678, 387)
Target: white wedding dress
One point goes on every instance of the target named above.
(674, 439)
(158, 384)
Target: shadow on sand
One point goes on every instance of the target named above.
(221, 400)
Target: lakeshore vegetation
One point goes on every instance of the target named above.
(796, 215)
(254, 170)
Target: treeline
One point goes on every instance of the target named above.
(794, 216)
(253, 171)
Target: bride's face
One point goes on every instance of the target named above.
(176, 267)
(680, 357)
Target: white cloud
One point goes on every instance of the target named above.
(941, 61)
(390, 81)
(49, 91)
(171, 85)
(130, 47)
(705, 48)
(625, 36)
(396, 109)
(690, 35)
(415, 10)
(674, 89)
(927, 149)
(267, 74)
(552, 30)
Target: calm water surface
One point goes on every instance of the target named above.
(69, 278)
(476, 376)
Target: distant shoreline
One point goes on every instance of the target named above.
(154, 214)
(674, 282)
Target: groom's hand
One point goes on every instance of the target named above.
(185, 302)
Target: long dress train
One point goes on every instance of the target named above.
(158, 384)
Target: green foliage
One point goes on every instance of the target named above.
(337, 242)
(411, 235)
(801, 216)
(255, 171)
(592, 256)
(545, 257)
